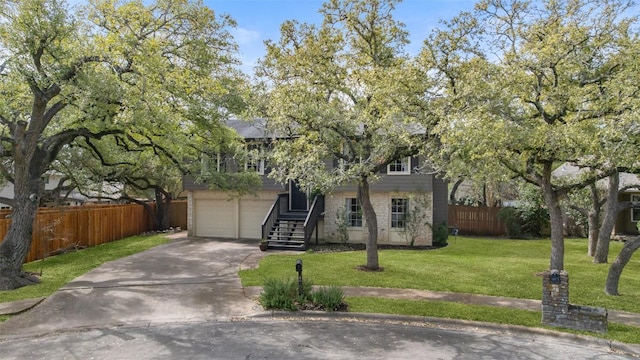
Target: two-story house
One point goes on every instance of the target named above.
(287, 215)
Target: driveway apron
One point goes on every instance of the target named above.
(189, 279)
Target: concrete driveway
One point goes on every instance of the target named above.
(188, 279)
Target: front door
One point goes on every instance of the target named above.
(297, 198)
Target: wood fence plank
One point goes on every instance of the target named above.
(59, 228)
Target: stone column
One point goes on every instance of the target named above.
(555, 296)
(556, 310)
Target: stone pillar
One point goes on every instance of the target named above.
(555, 296)
(556, 310)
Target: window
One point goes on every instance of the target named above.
(210, 162)
(399, 167)
(354, 212)
(255, 161)
(214, 162)
(399, 209)
(635, 212)
(343, 164)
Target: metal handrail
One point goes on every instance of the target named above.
(274, 213)
(311, 222)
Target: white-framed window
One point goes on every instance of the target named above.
(400, 167)
(399, 208)
(255, 158)
(343, 164)
(213, 162)
(354, 212)
(635, 212)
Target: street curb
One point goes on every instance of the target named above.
(16, 307)
(453, 324)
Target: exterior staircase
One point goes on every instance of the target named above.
(287, 232)
(291, 230)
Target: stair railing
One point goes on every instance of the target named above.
(311, 222)
(277, 208)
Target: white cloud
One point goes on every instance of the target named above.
(246, 36)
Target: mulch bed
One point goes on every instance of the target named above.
(330, 247)
(344, 307)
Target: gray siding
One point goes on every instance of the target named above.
(188, 183)
(440, 201)
(397, 183)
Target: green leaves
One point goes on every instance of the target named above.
(557, 86)
(155, 78)
(344, 89)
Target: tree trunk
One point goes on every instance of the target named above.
(162, 212)
(29, 165)
(593, 220)
(454, 189)
(15, 247)
(608, 221)
(611, 286)
(372, 224)
(555, 213)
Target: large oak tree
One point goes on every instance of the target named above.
(345, 89)
(544, 83)
(130, 71)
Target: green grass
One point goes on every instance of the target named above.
(59, 270)
(618, 332)
(498, 267)
(507, 268)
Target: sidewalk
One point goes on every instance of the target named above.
(615, 316)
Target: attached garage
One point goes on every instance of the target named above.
(252, 213)
(214, 218)
(213, 214)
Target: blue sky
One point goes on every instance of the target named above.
(260, 20)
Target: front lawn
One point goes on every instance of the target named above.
(59, 270)
(498, 267)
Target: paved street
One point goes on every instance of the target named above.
(298, 340)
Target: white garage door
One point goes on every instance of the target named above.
(214, 218)
(252, 213)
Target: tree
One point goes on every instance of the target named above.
(126, 71)
(347, 90)
(546, 83)
(587, 204)
(151, 171)
(613, 277)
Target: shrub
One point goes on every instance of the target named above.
(511, 218)
(440, 234)
(329, 298)
(283, 294)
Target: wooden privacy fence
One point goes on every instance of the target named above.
(476, 220)
(178, 214)
(81, 226)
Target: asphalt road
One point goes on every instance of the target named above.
(299, 339)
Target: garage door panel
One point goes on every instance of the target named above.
(252, 213)
(214, 218)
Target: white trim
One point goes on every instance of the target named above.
(406, 164)
(635, 198)
(211, 163)
(392, 213)
(260, 163)
(348, 212)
